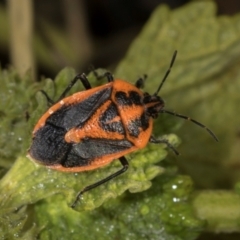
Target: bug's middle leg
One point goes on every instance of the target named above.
(163, 140)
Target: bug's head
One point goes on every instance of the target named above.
(154, 104)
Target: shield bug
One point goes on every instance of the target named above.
(91, 128)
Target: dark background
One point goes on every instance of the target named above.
(111, 25)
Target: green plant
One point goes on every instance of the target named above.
(161, 204)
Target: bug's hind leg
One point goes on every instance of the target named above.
(163, 140)
(124, 168)
(98, 76)
(49, 100)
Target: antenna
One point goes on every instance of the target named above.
(167, 73)
(192, 120)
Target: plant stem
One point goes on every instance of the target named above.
(21, 34)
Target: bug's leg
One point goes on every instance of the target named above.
(125, 165)
(108, 75)
(95, 73)
(163, 140)
(92, 69)
(140, 82)
(83, 78)
(49, 100)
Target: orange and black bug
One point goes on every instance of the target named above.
(89, 129)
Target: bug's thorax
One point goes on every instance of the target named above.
(153, 104)
(129, 102)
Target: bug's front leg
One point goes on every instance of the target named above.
(163, 140)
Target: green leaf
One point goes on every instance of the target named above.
(12, 222)
(163, 212)
(17, 99)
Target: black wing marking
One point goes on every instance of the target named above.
(134, 126)
(82, 154)
(75, 115)
(49, 146)
(106, 120)
(128, 99)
